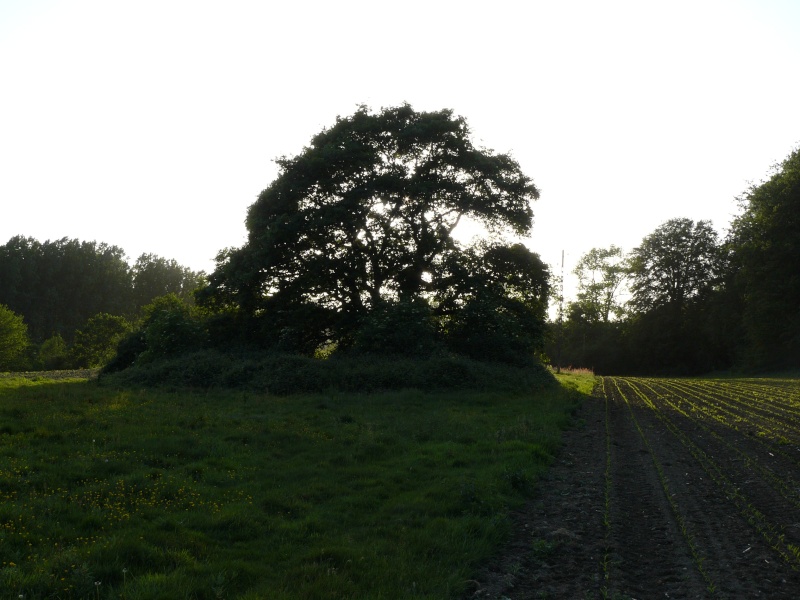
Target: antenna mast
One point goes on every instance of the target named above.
(560, 315)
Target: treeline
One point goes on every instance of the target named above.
(351, 255)
(686, 302)
(68, 302)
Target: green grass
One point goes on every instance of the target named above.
(581, 381)
(242, 495)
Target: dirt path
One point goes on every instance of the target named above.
(652, 498)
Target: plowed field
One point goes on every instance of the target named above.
(669, 488)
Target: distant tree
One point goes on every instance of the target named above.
(364, 218)
(765, 245)
(676, 276)
(13, 339)
(601, 276)
(96, 342)
(171, 326)
(591, 335)
(677, 262)
(53, 353)
(58, 285)
(154, 276)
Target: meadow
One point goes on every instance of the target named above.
(133, 494)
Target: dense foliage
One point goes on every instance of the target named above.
(697, 303)
(77, 298)
(57, 285)
(283, 374)
(673, 265)
(765, 243)
(353, 246)
(13, 338)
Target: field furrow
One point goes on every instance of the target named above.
(751, 460)
(696, 494)
(641, 504)
(743, 406)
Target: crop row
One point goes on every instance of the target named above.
(773, 410)
(677, 514)
(743, 435)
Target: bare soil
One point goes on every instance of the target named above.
(657, 501)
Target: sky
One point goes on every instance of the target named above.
(153, 124)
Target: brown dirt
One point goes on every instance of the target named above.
(697, 507)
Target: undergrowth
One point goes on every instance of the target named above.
(113, 493)
(287, 373)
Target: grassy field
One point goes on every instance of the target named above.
(128, 494)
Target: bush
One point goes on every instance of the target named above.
(497, 330)
(13, 340)
(128, 350)
(95, 344)
(170, 328)
(283, 374)
(53, 354)
(398, 328)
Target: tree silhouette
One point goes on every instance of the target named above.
(675, 263)
(366, 215)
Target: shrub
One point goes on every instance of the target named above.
(95, 344)
(13, 339)
(284, 374)
(53, 354)
(398, 328)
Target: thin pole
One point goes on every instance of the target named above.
(560, 316)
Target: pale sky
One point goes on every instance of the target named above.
(152, 124)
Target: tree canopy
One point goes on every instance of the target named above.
(13, 338)
(601, 273)
(675, 263)
(155, 276)
(365, 216)
(765, 245)
(58, 285)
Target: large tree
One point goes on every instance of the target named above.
(675, 280)
(366, 215)
(677, 262)
(765, 242)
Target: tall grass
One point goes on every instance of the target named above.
(121, 493)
